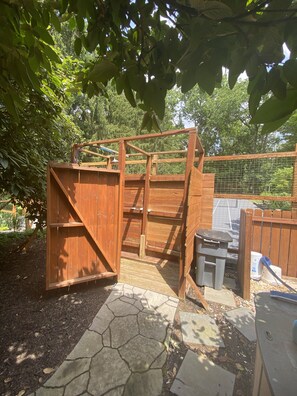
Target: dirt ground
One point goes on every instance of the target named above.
(39, 328)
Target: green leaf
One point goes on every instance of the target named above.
(44, 34)
(129, 93)
(188, 80)
(155, 123)
(80, 23)
(120, 81)
(290, 72)
(51, 54)
(55, 21)
(77, 46)
(145, 120)
(276, 84)
(10, 106)
(206, 78)
(273, 126)
(275, 109)
(103, 71)
(254, 101)
(212, 9)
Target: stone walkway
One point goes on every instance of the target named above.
(124, 350)
(198, 375)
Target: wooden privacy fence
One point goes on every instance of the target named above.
(272, 233)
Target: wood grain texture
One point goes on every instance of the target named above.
(151, 276)
(83, 210)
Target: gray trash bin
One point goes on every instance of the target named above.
(211, 253)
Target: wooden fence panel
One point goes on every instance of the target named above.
(271, 233)
(83, 209)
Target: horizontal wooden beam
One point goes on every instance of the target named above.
(75, 281)
(250, 156)
(139, 137)
(137, 149)
(274, 220)
(93, 153)
(256, 197)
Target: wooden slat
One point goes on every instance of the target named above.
(257, 230)
(250, 156)
(266, 234)
(244, 253)
(284, 247)
(256, 197)
(292, 262)
(70, 282)
(275, 238)
(65, 225)
(160, 278)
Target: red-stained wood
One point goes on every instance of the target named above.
(244, 252)
(266, 234)
(82, 210)
(285, 237)
(292, 260)
(257, 231)
(275, 237)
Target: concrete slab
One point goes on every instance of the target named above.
(200, 329)
(223, 296)
(244, 321)
(200, 376)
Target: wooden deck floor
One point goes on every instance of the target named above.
(161, 277)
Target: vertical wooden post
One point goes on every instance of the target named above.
(109, 163)
(244, 256)
(146, 196)
(189, 165)
(121, 165)
(294, 186)
(154, 164)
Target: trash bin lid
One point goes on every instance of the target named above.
(214, 235)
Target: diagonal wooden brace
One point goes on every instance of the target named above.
(76, 210)
(197, 291)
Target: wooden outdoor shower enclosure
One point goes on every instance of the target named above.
(97, 213)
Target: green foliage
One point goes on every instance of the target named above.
(146, 48)
(223, 121)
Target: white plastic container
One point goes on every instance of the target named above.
(269, 278)
(256, 266)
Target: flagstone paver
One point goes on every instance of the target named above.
(200, 329)
(223, 296)
(123, 351)
(200, 376)
(244, 321)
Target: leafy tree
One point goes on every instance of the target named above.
(146, 47)
(223, 121)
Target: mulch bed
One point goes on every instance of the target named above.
(39, 328)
